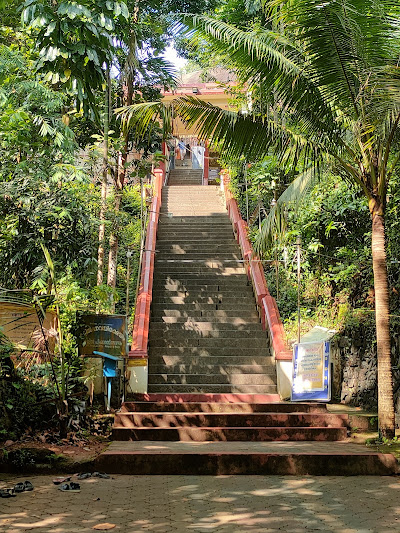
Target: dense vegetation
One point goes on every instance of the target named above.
(70, 198)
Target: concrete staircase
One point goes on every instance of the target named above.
(212, 406)
(205, 334)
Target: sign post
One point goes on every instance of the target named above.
(311, 371)
(104, 336)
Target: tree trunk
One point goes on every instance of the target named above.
(385, 383)
(104, 184)
(113, 253)
(119, 183)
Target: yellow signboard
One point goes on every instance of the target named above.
(137, 362)
(310, 367)
(18, 322)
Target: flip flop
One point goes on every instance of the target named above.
(86, 475)
(7, 493)
(28, 486)
(19, 487)
(101, 474)
(70, 487)
(22, 487)
(59, 480)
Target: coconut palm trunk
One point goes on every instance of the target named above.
(385, 384)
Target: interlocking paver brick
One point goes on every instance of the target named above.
(195, 504)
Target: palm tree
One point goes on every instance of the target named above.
(330, 69)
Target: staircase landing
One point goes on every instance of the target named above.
(251, 458)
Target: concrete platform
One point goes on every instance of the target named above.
(230, 458)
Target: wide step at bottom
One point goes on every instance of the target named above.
(249, 458)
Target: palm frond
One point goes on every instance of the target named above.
(264, 57)
(275, 222)
(140, 118)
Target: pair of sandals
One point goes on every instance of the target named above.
(25, 486)
(87, 475)
(70, 487)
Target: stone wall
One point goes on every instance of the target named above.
(354, 360)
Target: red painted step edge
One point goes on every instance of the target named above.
(268, 309)
(142, 315)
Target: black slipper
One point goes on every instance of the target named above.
(19, 487)
(101, 474)
(22, 487)
(70, 487)
(7, 493)
(28, 486)
(86, 475)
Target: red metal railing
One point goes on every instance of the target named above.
(266, 304)
(142, 313)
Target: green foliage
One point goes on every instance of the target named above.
(74, 40)
(28, 402)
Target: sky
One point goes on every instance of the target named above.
(171, 55)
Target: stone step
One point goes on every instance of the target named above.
(212, 249)
(213, 314)
(239, 346)
(203, 434)
(223, 232)
(209, 398)
(178, 242)
(202, 292)
(199, 366)
(221, 320)
(200, 257)
(222, 407)
(166, 226)
(197, 283)
(164, 361)
(214, 220)
(180, 209)
(202, 303)
(184, 181)
(204, 269)
(221, 419)
(211, 379)
(209, 277)
(253, 354)
(210, 388)
(219, 234)
(206, 328)
(156, 337)
(201, 278)
(245, 458)
(190, 298)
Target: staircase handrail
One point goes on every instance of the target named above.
(140, 337)
(266, 304)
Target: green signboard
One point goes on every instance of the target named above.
(103, 333)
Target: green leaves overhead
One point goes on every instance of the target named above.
(142, 118)
(74, 41)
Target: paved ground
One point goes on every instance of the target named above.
(185, 504)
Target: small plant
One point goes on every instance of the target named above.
(22, 458)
